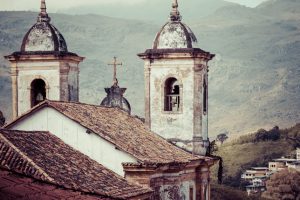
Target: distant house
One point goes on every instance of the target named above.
(255, 172)
(256, 178)
(283, 163)
(276, 166)
(121, 143)
(253, 189)
(38, 165)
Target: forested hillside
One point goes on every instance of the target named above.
(253, 80)
(256, 150)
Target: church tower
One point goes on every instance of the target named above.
(43, 68)
(176, 85)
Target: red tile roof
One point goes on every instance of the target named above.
(127, 132)
(44, 156)
(19, 186)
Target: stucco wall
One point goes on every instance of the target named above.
(73, 82)
(167, 124)
(171, 186)
(75, 135)
(48, 71)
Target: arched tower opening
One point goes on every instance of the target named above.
(172, 95)
(38, 91)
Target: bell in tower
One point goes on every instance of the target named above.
(176, 86)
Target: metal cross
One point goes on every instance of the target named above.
(115, 64)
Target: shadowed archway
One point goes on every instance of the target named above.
(38, 91)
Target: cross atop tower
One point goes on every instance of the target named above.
(175, 14)
(43, 16)
(115, 64)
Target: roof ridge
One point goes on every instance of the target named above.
(22, 131)
(98, 106)
(40, 170)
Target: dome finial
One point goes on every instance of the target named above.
(115, 64)
(175, 14)
(43, 16)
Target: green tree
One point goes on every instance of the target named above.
(222, 137)
(283, 185)
(293, 135)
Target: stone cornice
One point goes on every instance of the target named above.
(176, 53)
(43, 56)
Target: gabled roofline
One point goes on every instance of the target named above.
(32, 110)
(47, 103)
(44, 177)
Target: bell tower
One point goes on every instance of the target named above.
(43, 68)
(176, 85)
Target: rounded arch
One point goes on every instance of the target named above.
(172, 94)
(38, 91)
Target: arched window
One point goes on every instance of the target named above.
(172, 95)
(38, 91)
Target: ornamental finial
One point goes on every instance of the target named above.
(175, 14)
(115, 64)
(43, 16)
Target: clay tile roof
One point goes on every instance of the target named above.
(44, 156)
(127, 132)
(19, 186)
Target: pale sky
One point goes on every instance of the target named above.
(55, 5)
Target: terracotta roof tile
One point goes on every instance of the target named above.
(123, 130)
(19, 186)
(44, 156)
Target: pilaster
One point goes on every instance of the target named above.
(14, 78)
(147, 73)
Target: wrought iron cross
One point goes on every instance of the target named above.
(115, 64)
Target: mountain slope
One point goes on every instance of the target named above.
(157, 10)
(254, 79)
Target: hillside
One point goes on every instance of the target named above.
(255, 150)
(253, 81)
(158, 10)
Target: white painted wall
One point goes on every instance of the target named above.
(73, 134)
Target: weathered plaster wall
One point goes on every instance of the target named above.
(173, 186)
(61, 80)
(171, 124)
(188, 122)
(73, 82)
(29, 71)
(75, 135)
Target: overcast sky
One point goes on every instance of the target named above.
(55, 5)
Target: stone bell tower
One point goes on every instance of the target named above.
(43, 68)
(176, 86)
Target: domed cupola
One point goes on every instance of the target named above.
(175, 34)
(43, 68)
(115, 94)
(43, 36)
